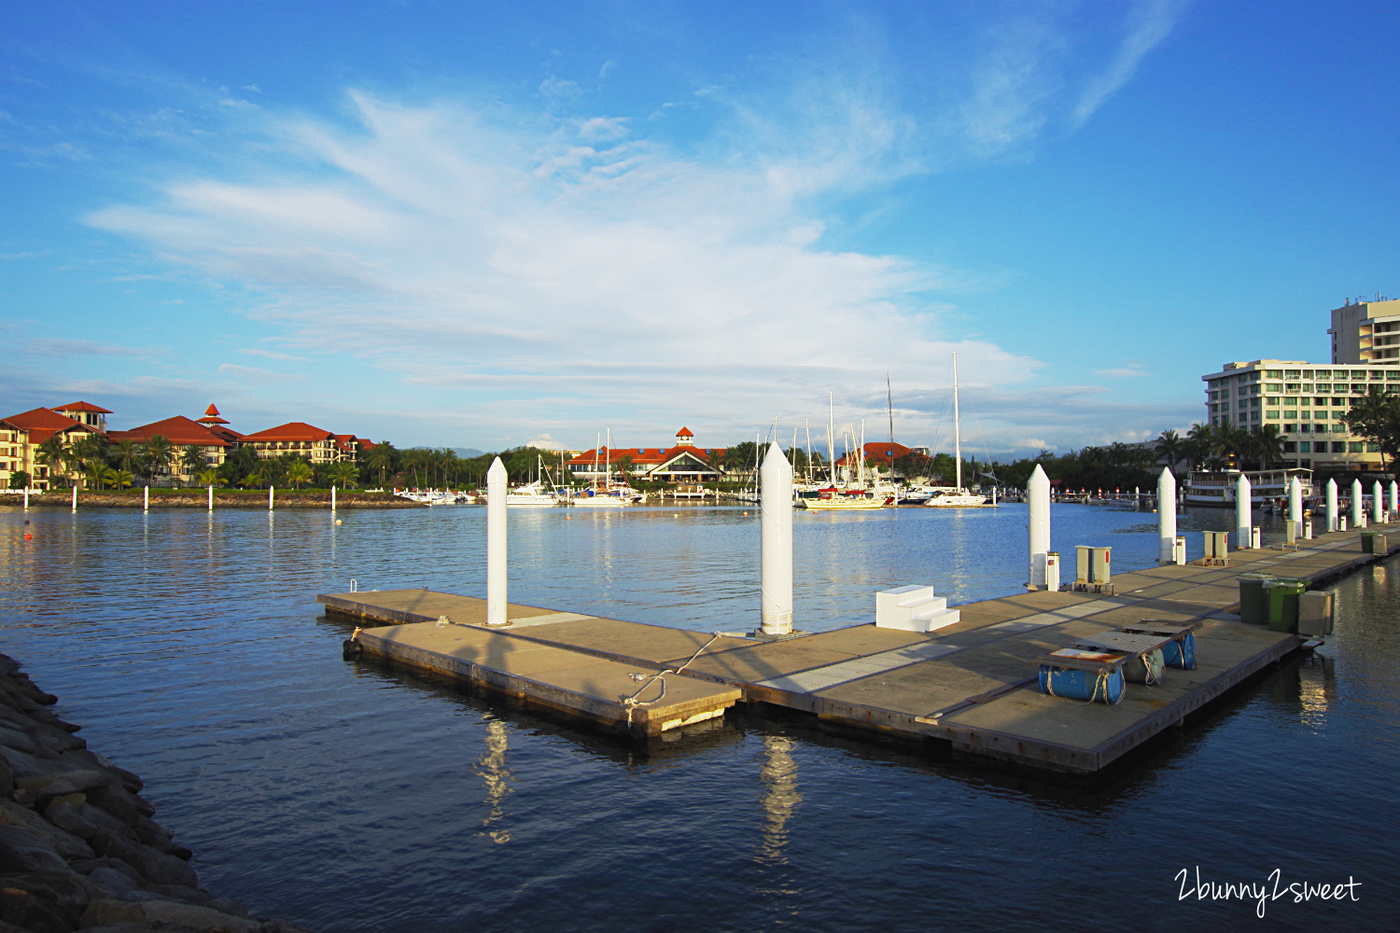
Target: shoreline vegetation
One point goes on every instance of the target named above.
(78, 847)
(196, 498)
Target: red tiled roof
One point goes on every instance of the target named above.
(83, 406)
(685, 432)
(646, 457)
(44, 423)
(885, 452)
(180, 431)
(212, 410)
(291, 431)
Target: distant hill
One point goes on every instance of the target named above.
(466, 453)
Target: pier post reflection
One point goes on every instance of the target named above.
(491, 768)
(779, 800)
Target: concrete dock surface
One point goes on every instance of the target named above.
(971, 684)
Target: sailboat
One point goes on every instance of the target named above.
(534, 495)
(832, 498)
(955, 497)
(610, 494)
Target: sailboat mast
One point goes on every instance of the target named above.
(957, 436)
(808, 425)
(831, 436)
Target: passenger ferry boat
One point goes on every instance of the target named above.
(1217, 488)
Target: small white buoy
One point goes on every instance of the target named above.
(339, 522)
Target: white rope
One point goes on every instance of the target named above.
(631, 703)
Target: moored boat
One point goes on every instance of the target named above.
(1217, 487)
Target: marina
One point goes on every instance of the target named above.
(971, 684)
(201, 664)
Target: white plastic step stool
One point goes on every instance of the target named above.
(913, 609)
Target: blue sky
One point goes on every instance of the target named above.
(469, 224)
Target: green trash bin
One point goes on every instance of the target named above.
(1254, 603)
(1283, 596)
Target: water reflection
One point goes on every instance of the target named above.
(780, 798)
(491, 768)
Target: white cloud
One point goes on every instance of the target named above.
(1125, 372)
(456, 247)
(1147, 25)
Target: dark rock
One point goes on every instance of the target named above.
(86, 758)
(69, 818)
(172, 913)
(7, 778)
(48, 901)
(22, 851)
(64, 782)
(90, 865)
(180, 892)
(65, 844)
(14, 738)
(54, 739)
(106, 822)
(118, 801)
(159, 868)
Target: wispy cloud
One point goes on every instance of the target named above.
(14, 257)
(1148, 23)
(273, 355)
(57, 346)
(1124, 372)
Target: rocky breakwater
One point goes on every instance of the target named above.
(78, 847)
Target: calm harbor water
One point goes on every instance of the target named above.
(350, 796)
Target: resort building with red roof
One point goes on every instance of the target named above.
(682, 462)
(210, 436)
(315, 444)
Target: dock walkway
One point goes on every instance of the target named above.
(971, 684)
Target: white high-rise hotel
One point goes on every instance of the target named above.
(1307, 400)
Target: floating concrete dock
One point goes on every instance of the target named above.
(970, 684)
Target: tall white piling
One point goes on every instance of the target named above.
(775, 505)
(1243, 512)
(496, 482)
(146, 499)
(1394, 499)
(1356, 510)
(1166, 517)
(26, 497)
(1295, 505)
(269, 498)
(211, 498)
(1377, 502)
(1332, 513)
(75, 497)
(1038, 491)
(332, 497)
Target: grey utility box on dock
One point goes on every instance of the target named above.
(1217, 545)
(1092, 566)
(1315, 613)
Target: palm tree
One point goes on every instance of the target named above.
(85, 454)
(1170, 445)
(192, 460)
(381, 458)
(209, 477)
(343, 473)
(1266, 445)
(95, 475)
(157, 453)
(53, 454)
(298, 472)
(128, 452)
(118, 479)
